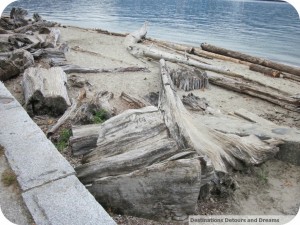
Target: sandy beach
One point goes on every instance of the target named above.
(269, 189)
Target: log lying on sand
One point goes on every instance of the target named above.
(84, 138)
(265, 93)
(79, 69)
(15, 64)
(162, 191)
(129, 157)
(251, 59)
(265, 70)
(45, 91)
(226, 76)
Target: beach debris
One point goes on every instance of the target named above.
(257, 90)
(265, 70)
(134, 101)
(45, 91)
(84, 138)
(251, 59)
(140, 145)
(16, 63)
(68, 115)
(189, 80)
(152, 98)
(194, 103)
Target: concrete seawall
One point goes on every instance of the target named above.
(50, 189)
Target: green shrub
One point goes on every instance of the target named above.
(63, 140)
(8, 177)
(100, 116)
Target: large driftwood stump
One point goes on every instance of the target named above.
(15, 64)
(45, 91)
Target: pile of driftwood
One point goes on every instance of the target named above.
(152, 161)
(155, 162)
(33, 48)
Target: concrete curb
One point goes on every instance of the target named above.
(51, 192)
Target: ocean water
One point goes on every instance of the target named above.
(263, 28)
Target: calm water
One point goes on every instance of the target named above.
(262, 28)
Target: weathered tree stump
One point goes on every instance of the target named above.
(45, 91)
(188, 80)
(15, 64)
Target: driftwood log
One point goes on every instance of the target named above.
(79, 69)
(251, 59)
(45, 91)
(18, 61)
(222, 76)
(265, 70)
(266, 93)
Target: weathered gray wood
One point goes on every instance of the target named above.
(188, 80)
(252, 59)
(264, 70)
(79, 69)
(135, 101)
(162, 191)
(133, 127)
(263, 92)
(56, 57)
(221, 149)
(52, 38)
(18, 61)
(137, 157)
(69, 113)
(84, 138)
(100, 101)
(45, 91)
(194, 102)
(136, 36)
(254, 125)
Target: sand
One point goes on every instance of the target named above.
(272, 188)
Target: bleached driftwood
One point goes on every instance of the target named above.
(78, 69)
(222, 150)
(45, 91)
(16, 63)
(251, 59)
(84, 138)
(188, 80)
(136, 36)
(52, 38)
(85, 114)
(194, 102)
(139, 146)
(66, 116)
(134, 152)
(263, 92)
(171, 189)
(265, 70)
(136, 101)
